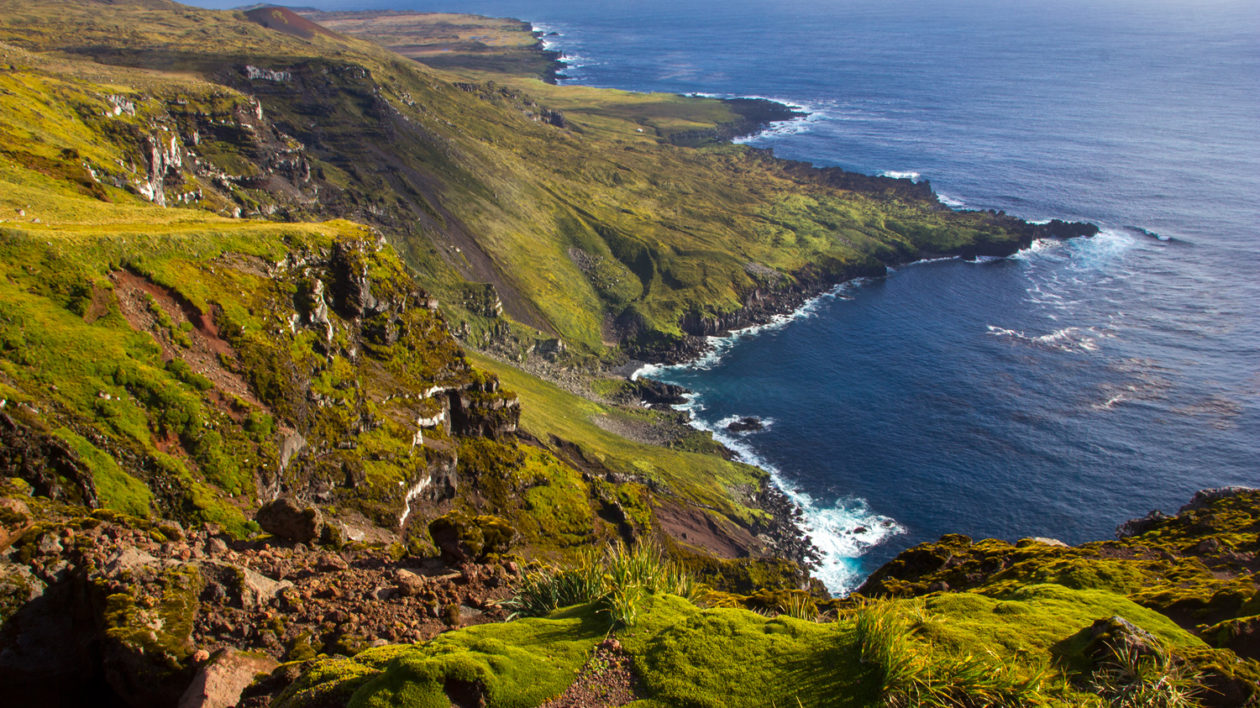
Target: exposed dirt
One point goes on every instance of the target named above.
(693, 527)
(206, 345)
(607, 679)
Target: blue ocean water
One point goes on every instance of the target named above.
(1055, 393)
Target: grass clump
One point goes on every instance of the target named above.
(909, 673)
(616, 581)
(1131, 678)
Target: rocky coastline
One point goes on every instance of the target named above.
(779, 297)
(762, 305)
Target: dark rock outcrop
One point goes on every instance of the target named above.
(656, 393)
(746, 424)
(286, 518)
(481, 409)
(46, 463)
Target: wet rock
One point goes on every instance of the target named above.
(746, 425)
(289, 520)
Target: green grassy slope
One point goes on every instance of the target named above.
(593, 228)
(194, 363)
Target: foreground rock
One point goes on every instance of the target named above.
(104, 607)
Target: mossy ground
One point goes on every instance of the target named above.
(689, 656)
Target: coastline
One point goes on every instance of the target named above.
(798, 525)
(816, 528)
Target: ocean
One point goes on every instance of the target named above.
(1055, 393)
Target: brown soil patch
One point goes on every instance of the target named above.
(607, 679)
(282, 19)
(207, 345)
(692, 526)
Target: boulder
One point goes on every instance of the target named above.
(1119, 634)
(287, 519)
(409, 583)
(15, 518)
(462, 538)
(247, 588)
(220, 681)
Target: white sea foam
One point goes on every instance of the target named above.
(841, 530)
(925, 261)
(1067, 339)
(723, 424)
(951, 202)
(812, 114)
(895, 174)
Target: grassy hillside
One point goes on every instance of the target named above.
(239, 433)
(193, 348)
(574, 206)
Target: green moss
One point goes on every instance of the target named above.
(160, 628)
(1034, 618)
(723, 657)
(521, 663)
(117, 489)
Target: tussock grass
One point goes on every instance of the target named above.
(911, 674)
(1130, 678)
(616, 580)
